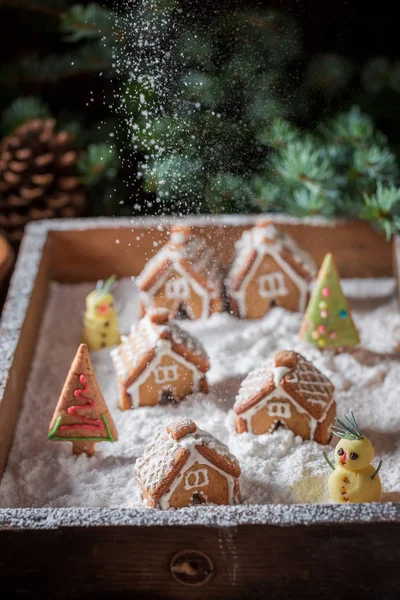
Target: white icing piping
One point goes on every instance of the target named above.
(281, 393)
(240, 294)
(262, 251)
(165, 348)
(279, 374)
(195, 456)
(200, 290)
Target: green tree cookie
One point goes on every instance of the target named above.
(327, 322)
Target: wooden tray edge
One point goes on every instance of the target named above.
(280, 515)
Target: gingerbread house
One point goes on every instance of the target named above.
(184, 465)
(185, 277)
(287, 391)
(269, 269)
(159, 362)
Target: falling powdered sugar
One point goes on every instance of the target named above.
(276, 468)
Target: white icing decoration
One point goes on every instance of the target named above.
(196, 479)
(146, 337)
(134, 389)
(255, 239)
(277, 395)
(177, 289)
(178, 237)
(272, 285)
(279, 409)
(279, 374)
(202, 259)
(316, 392)
(158, 461)
(194, 457)
(166, 373)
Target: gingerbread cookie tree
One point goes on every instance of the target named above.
(81, 415)
(327, 322)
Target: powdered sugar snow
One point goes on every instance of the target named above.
(277, 468)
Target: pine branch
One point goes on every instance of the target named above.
(376, 163)
(304, 163)
(353, 127)
(280, 133)
(344, 169)
(227, 193)
(98, 163)
(304, 202)
(21, 111)
(90, 21)
(383, 208)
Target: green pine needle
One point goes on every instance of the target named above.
(377, 470)
(348, 428)
(279, 134)
(104, 287)
(86, 22)
(99, 162)
(21, 111)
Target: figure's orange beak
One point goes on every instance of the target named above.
(102, 308)
(343, 458)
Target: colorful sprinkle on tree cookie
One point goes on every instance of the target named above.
(327, 322)
(81, 415)
(353, 479)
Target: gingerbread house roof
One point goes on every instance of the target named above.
(150, 337)
(263, 239)
(184, 252)
(171, 448)
(295, 375)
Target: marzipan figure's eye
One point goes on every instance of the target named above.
(340, 451)
(353, 455)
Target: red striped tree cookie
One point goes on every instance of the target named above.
(81, 415)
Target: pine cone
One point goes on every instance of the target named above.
(38, 177)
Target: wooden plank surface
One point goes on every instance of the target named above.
(6, 262)
(82, 255)
(262, 560)
(257, 562)
(19, 366)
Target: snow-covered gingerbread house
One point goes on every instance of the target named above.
(185, 277)
(184, 465)
(269, 269)
(159, 361)
(287, 391)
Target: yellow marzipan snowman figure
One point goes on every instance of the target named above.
(354, 479)
(100, 322)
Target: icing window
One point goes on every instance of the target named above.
(177, 289)
(272, 285)
(196, 479)
(166, 373)
(279, 409)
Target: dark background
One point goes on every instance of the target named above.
(357, 30)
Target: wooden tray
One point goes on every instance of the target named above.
(294, 551)
(6, 262)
